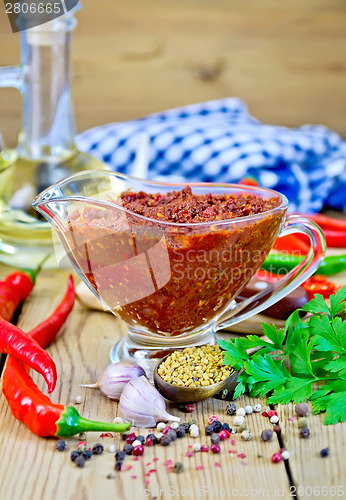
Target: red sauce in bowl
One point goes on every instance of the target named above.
(162, 271)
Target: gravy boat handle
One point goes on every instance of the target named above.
(278, 290)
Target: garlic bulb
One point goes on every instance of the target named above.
(115, 377)
(141, 404)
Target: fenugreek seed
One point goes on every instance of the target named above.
(194, 367)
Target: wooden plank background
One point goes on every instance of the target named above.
(31, 469)
(133, 57)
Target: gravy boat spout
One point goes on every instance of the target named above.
(173, 284)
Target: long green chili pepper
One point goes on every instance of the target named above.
(280, 263)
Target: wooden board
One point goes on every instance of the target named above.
(31, 469)
(132, 57)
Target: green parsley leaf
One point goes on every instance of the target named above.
(337, 365)
(328, 335)
(335, 406)
(316, 349)
(296, 390)
(337, 301)
(317, 306)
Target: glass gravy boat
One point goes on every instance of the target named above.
(173, 284)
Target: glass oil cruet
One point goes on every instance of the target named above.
(46, 152)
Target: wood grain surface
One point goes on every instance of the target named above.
(287, 60)
(31, 468)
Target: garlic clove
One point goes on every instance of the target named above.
(115, 377)
(141, 404)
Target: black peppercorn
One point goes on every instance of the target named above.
(325, 452)
(231, 409)
(86, 454)
(216, 425)
(267, 434)
(74, 454)
(140, 438)
(301, 409)
(128, 449)
(304, 433)
(60, 445)
(215, 438)
(209, 430)
(172, 434)
(124, 435)
(97, 449)
(166, 440)
(152, 437)
(120, 455)
(180, 431)
(226, 427)
(80, 461)
(185, 425)
(118, 465)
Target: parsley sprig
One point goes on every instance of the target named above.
(304, 361)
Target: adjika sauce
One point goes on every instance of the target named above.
(159, 268)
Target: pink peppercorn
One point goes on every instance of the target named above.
(190, 408)
(212, 419)
(224, 434)
(264, 414)
(215, 448)
(204, 448)
(276, 458)
(131, 438)
(138, 450)
(271, 413)
(149, 442)
(166, 429)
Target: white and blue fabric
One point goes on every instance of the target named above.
(219, 141)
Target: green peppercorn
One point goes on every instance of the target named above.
(192, 421)
(302, 422)
(242, 427)
(178, 468)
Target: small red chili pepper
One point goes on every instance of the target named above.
(14, 289)
(319, 284)
(18, 344)
(34, 409)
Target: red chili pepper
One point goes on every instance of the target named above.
(292, 244)
(29, 405)
(249, 181)
(335, 238)
(327, 222)
(46, 331)
(14, 289)
(17, 343)
(319, 284)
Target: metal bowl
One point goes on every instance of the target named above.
(179, 394)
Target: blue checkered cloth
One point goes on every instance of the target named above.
(219, 141)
